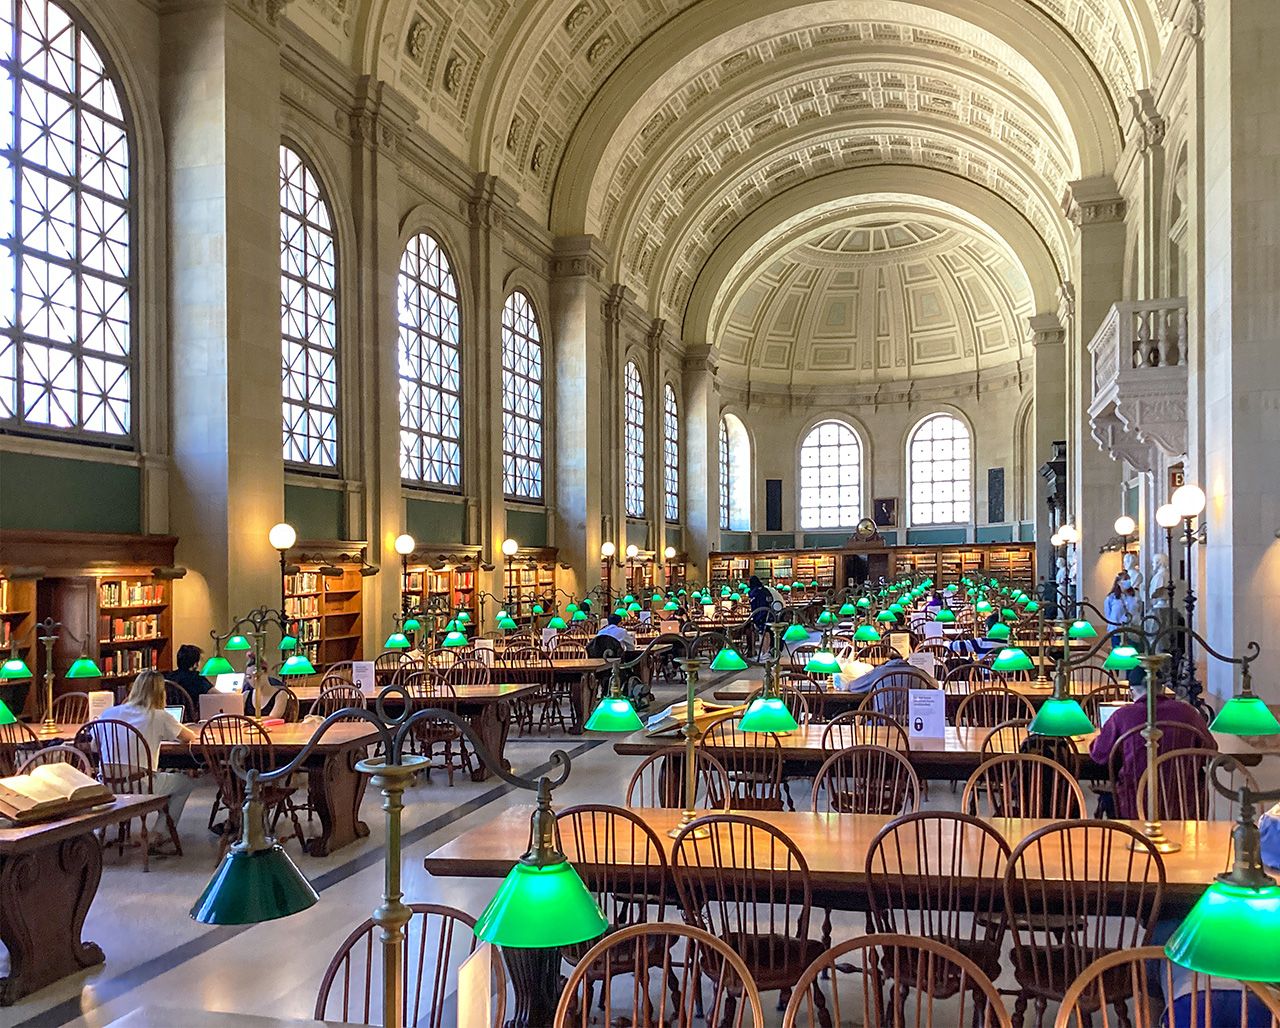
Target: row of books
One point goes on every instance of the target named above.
(128, 662)
(129, 594)
(302, 606)
(304, 582)
(307, 631)
(141, 626)
(4, 594)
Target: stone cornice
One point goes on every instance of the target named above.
(579, 257)
(1046, 330)
(1093, 201)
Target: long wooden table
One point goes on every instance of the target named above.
(49, 874)
(828, 703)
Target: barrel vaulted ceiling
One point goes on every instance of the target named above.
(664, 126)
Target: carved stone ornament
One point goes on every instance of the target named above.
(576, 17)
(514, 131)
(415, 44)
(599, 48)
(453, 70)
(539, 152)
(1149, 121)
(270, 10)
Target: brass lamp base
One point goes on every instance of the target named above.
(687, 818)
(47, 730)
(1160, 842)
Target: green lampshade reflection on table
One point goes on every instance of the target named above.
(614, 714)
(1245, 715)
(13, 668)
(412, 625)
(795, 632)
(822, 663)
(847, 610)
(297, 664)
(216, 665)
(866, 634)
(540, 907)
(1060, 718)
(1081, 629)
(999, 631)
(83, 667)
(288, 642)
(1233, 931)
(397, 641)
(237, 644)
(254, 886)
(1121, 658)
(557, 623)
(1011, 658)
(728, 659)
(826, 618)
(767, 714)
(945, 616)
(579, 615)
(454, 639)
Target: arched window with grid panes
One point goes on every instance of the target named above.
(430, 366)
(830, 477)
(633, 440)
(308, 316)
(670, 453)
(521, 400)
(735, 475)
(67, 257)
(940, 472)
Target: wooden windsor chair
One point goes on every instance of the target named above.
(659, 781)
(72, 708)
(864, 727)
(1022, 785)
(753, 761)
(986, 708)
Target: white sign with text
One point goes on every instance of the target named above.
(927, 714)
(362, 676)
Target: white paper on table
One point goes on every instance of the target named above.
(548, 638)
(363, 677)
(845, 680)
(927, 714)
(99, 701)
(933, 630)
(483, 649)
(475, 989)
(646, 616)
(900, 641)
(925, 662)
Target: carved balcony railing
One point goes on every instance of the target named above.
(1139, 402)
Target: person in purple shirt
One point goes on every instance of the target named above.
(1190, 730)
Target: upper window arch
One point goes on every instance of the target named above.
(940, 471)
(522, 421)
(670, 453)
(633, 440)
(430, 362)
(67, 260)
(308, 315)
(735, 475)
(830, 477)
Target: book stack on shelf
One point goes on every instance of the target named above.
(302, 606)
(525, 585)
(133, 627)
(17, 631)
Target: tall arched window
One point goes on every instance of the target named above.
(521, 399)
(430, 360)
(830, 477)
(670, 453)
(66, 261)
(633, 440)
(735, 475)
(308, 316)
(940, 471)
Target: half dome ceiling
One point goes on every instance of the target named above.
(878, 299)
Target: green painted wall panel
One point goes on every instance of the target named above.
(638, 534)
(994, 534)
(314, 513)
(58, 494)
(435, 521)
(527, 527)
(816, 539)
(936, 536)
(777, 542)
(735, 542)
(675, 536)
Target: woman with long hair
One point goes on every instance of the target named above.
(144, 710)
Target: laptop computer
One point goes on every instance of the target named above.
(214, 703)
(177, 713)
(233, 682)
(1105, 710)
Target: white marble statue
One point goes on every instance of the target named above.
(1136, 577)
(1158, 588)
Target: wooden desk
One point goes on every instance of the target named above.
(835, 847)
(578, 673)
(49, 874)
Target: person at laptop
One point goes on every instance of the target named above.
(144, 710)
(613, 630)
(1188, 729)
(186, 675)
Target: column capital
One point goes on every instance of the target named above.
(699, 359)
(1148, 122)
(490, 203)
(579, 257)
(379, 118)
(1046, 330)
(1093, 201)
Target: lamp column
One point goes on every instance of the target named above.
(1188, 502)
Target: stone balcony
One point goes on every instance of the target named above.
(1139, 404)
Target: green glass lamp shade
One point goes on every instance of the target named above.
(999, 631)
(847, 610)
(585, 604)
(784, 588)
(558, 623)
(412, 625)
(944, 616)
(297, 664)
(1008, 614)
(571, 608)
(887, 616)
(1060, 718)
(464, 617)
(237, 644)
(6, 715)
(767, 714)
(14, 667)
(454, 625)
(826, 618)
(1081, 629)
(1011, 658)
(620, 611)
(683, 592)
(541, 907)
(822, 663)
(864, 602)
(396, 641)
(725, 591)
(628, 598)
(671, 605)
(897, 608)
(288, 642)
(1121, 658)
(813, 584)
(216, 665)
(1031, 607)
(251, 887)
(453, 639)
(1231, 932)
(952, 589)
(656, 597)
(866, 634)
(537, 608)
(1245, 715)
(795, 632)
(614, 714)
(84, 667)
(728, 659)
(633, 607)
(507, 624)
(579, 615)
(983, 607)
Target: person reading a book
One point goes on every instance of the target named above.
(144, 709)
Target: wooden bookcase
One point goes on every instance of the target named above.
(530, 576)
(134, 627)
(450, 576)
(328, 613)
(17, 635)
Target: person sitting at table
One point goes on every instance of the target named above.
(613, 629)
(876, 676)
(976, 648)
(186, 675)
(144, 710)
(1134, 759)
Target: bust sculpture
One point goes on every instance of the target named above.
(1136, 577)
(1158, 588)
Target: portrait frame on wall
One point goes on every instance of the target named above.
(885, 511)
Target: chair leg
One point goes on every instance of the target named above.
(173, 832)
(1042, 1005)
(1019, 1010)
(820, 1001)
(146, 847)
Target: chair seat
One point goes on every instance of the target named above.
(983, 952)
(775, 961)
(1050, 979)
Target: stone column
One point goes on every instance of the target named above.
(220, 90)
(1097, 210)
(577, 365)
(702, 457)
(1239, 585)
(1049, 340)
(377, 122)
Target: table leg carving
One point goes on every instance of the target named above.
(536, 983)
(335, 789)
(492, 723)
(44, 898)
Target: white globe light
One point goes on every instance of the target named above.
(1167, 515)
(282, 536)
(1069, 533)
(404, 544)
(509, 547)
(669, 553)
(1188, 500)
(632, 551)
(607, 550)
(1125, 525)
(1055, 540)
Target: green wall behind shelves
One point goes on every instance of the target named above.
(435, 521)
(60, 494)
(316, 513)
(527, 527)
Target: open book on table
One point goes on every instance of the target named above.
(50, 790)
(672, 720)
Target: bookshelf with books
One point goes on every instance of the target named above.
(133, 627)
(530, 576)
(448, 577)
(324, 603)
(17, 634)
